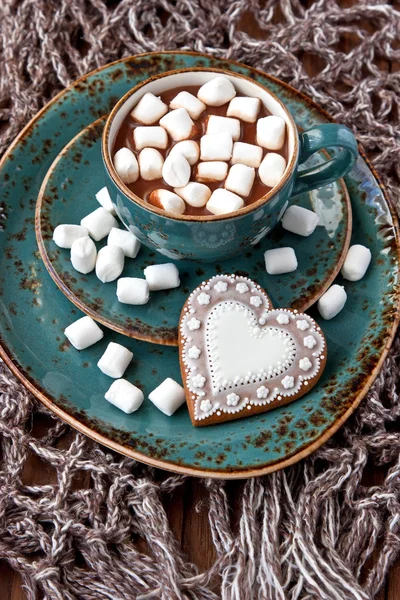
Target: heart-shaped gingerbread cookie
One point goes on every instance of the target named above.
(239, 356)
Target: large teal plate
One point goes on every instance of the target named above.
(68, 194)
(33, 312)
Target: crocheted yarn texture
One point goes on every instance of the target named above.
(305, 532)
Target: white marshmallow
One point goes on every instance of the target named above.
(109, 263)
(271, 132)
(280, 260)
(332, 302)
(115, 360)
(150, 137)
(125, 396)
(300, 220)
(357, 262)
(272, 169)
(83, 255)
(83, 333)
(179, 124)
(99, 223)
(211, 171)
(126, 165)
(162, 277)
(240, 179)
(216, 124)
(126, 240)
(195, 194)
(244, 108)
(132, 290)
(189, 149)
(222, 202)
(246, 154)
(103, 197)
(216, 92)
(149, 109)
(168, 201)
(216, 146)
(151, 162)
(65, 235)
(168, 396)
(176, 170)
(190, 103)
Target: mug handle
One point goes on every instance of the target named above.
(329, 135)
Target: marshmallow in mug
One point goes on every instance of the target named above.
(272, 169)
(187, 148)
(83, 333)
(280, 260)
(126, 165)
(211, 171)
(168, 201)
(240, 179)
(150, 137)
(216, 146)
(126, 240)
(246, 154)
(109, 263)
(223, 201)
(194, 194)
(179, 124)
(99, 223)
(83, 255)
(216, 125)
(244, 108)
(115, 360)
(162, 277)
(132, 290)
(217, 91)
(125, 396)
(271, 132)
(190, 103)
(168, 396)
(176, 170)
(149, 109)
(65, 235)
(151, 163)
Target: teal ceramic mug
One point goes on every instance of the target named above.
(210, 238)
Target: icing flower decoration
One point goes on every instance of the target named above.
(283, 319)
(262, 392)
(256, 301)
(302, 325)
(205, 405)
(232, 399)
(203, 298)
(305, 364)
(288, 382)
(310, 341)
(194, 324)
(242, 288)
(194, 352)
(198, 381)
(221, 286)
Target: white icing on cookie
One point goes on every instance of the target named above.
(262, 392)
(283, 319)
(205, 406)
(193, 324)
(221, 286)
(310, 341)
(242, 288)
(232, 399)
(255, 301)
(198, 381)
(302, 324)
(288, 382)
(194, 352)
(203, 298)
(305, 364)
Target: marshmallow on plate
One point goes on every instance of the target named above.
(149, 109)
(179, 124)
(246, 154)
(126, 165)
(151, 162)
(162, 277)
(125, 396)
(115, 360)
(103, 197)
(300, 220)
(240, 179)
(195, 194)
(83, 255)
(189, 149)
(65, 235)
(150, 137)
(168, 396)
(211, 171)
(126, 240)
(83, 333)
(216, 92)
(244, 108)
(190, 103)
(217, 146)
(271, 169)
(109, 263)
(222, 202)
(357, 262)
(280, 260)
(271, 132)
(132, 290)
(168, 201)
(216, 124)
(99, 223)
(332, 302)
(176, 170)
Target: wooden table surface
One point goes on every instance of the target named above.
(186, 511)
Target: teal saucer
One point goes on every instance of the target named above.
(68, 194)
(34, 313)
